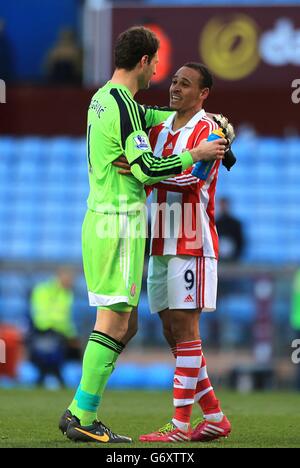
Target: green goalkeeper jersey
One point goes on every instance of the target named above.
(118, 125)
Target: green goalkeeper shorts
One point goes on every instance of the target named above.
(113, 249)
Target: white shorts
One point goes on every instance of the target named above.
(182, 282)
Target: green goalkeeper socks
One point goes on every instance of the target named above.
(99, 361)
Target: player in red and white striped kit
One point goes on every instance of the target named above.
(182, 277)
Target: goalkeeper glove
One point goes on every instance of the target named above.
(226, 126)
(228, 130)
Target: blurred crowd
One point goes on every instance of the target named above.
(50, 337)
(62, 64)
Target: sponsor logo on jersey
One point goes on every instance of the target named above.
(141, 142)
(189, 298)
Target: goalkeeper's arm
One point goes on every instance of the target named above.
(149, 169)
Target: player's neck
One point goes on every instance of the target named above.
(182, 118)
(125, 78)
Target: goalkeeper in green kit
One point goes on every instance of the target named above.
(114, 228)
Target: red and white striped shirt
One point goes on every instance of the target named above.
(191, 230)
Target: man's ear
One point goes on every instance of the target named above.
(144, 60)
(204, 93)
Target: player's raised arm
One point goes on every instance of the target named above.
(149, 169)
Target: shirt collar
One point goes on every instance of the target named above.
(118, 86)
(190, 124)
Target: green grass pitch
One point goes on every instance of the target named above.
(28, 418)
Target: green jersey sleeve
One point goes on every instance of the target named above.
(156, 115)
(134, 122)
(150, 169)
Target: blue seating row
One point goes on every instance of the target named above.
(44, 187)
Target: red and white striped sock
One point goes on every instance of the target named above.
(206, 397)
(188, 363)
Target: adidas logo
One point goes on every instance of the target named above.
(189, 299)
(177, 382)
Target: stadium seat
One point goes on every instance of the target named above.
(28, 374)
(71, 372)
(60, 149)
(7, 144)
(12, 307)
(159, 376)
(31, 149)
(239, 307)
(292, 149)
(269, 148)
(127, 376)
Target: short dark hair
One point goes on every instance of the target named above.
(132, 45)
(206, 76)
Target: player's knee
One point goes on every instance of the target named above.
(178, 333)
(132, 331)
(120, 333)
(183, 332)
(166, 325)
(117, 332)
(167, 332)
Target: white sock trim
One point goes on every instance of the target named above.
(214, 417)
(181, 425)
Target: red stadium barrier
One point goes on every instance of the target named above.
(62, 111)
